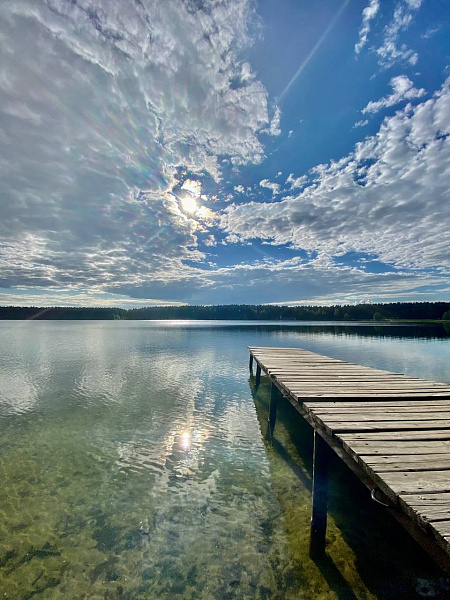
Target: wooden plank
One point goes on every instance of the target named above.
(406, 412)
(318, 367)
(294, 355)
(314, 371)
(442, 527)
(367, 394)
(335, 378)
(355, 390)
(303, 363)
(427, 507)
(337, 374)
(338, 426)
(398, 447)
(280, 349)
(331, 377)
(355, 385)
(311, 360)
(284, 354)
(307, 358)
(417, 482)
(373, 412)
(352, 382)
(405, 462)
(382, 415)
(390, 436)
(301, 358)
(369, 405)
(416, 399)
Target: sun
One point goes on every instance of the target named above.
(189, 204)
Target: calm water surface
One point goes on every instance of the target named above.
(133, 465)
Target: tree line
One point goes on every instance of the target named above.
(357, 312)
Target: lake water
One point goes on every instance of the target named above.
(133, 465)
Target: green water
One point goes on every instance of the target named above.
(133, 464)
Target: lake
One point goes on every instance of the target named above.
(133, 465)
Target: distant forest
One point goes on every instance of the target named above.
(359, 312)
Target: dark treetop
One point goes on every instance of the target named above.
(358, 312)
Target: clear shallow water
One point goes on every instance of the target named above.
(132, 465)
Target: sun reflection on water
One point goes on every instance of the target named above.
(185, 440)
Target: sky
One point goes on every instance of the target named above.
(224, 152)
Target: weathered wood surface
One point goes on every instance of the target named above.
(406, 482)
(395, 427)
(384, 436)
(309, 375)
(431, 507)
(398, 447)
(334, 427)
(407, 462)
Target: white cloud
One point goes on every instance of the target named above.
(83, 298)
(403, 89)
(361, 123)
(239, 189)
(390, 52)
(192, 186)
(210, 241)
(232, 239)
(274, 127)
(293, 281)
(274, 187)
(389, 197)
(369, 13)
(297, 182)
(430, 32)
(105, 108)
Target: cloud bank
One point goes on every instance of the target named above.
(388, 198)
(125, 129)
(104, 109)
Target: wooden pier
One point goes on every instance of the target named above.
(391, 430)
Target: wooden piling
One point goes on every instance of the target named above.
(272, 410)
(319, 498)
(257, 377)
(250, 364)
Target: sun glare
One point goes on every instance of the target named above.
(189, 204)
(185, 440)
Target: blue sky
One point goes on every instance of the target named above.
(218, 152)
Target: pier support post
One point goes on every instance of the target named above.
(319, 497)
(258, 377)
(272, 410)
(250, 364)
